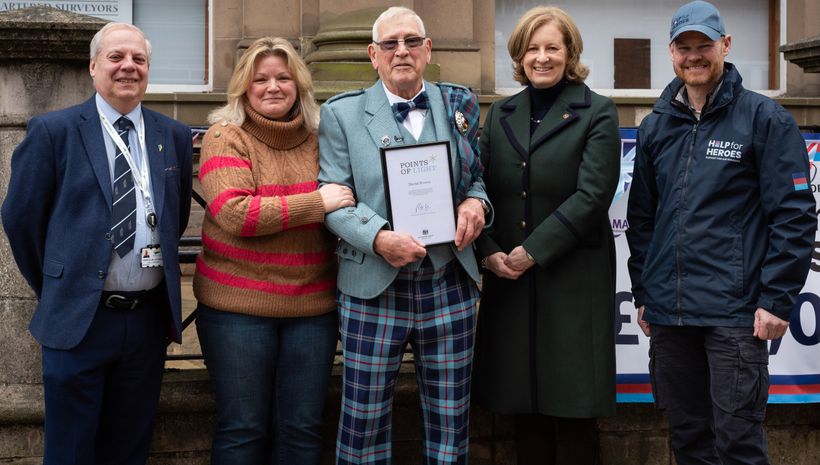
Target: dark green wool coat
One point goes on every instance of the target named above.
(546, 341)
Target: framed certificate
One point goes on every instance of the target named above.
(418, 184)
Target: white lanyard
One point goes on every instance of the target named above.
(142, 182)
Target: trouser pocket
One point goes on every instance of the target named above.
(753, 379)
(740, 372)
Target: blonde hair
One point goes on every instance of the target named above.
(526, 27)
(234, 111)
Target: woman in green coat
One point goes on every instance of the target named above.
(546, 344)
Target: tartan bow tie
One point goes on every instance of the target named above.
(402, 109)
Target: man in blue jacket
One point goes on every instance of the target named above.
(721, 230)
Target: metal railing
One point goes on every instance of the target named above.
(189, 248)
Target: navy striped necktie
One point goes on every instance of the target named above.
(124, 208)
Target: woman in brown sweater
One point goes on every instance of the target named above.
(265, 279)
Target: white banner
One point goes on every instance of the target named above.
(794, 360)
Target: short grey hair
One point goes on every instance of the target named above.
(393, 12)
(98, 37)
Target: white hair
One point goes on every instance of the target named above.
(96, 42)
(393, 12)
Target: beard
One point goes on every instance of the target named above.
(702, 77)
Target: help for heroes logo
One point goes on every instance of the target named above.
(724, 150)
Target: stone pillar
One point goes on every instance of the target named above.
(44, 58)
(337, 54)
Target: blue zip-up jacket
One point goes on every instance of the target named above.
(721, 216)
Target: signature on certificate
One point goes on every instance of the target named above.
(422, 207)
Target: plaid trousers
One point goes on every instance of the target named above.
(434, 311)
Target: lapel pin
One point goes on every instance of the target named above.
(385, 140)
(565, 115)
(461, 123)
(159, 147)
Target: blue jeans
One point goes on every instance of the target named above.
(270, 378)
(713, 383)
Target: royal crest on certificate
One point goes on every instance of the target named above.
(418, 183)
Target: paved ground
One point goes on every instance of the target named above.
(190, 342)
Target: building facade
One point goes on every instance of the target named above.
(625, 46)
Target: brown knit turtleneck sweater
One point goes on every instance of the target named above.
(265, 251)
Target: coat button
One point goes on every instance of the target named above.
(523, 194)
(364, 220)
(353, 252)
(101, 274)
(344, 251)
(108, 236)
(523, 164)
(522, 224)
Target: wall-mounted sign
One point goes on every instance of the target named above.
(112, 10)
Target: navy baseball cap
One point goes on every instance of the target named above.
(697, 16)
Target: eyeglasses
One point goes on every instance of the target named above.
(392, 44)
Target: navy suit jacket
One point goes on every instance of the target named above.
(57, 215)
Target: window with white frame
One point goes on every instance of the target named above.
(637, 33)
(179, 34)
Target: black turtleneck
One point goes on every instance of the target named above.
(541, 101)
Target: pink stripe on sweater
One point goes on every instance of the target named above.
(217, 203)
(274, 190)
(268, 258)
(215, 163)
(252, 217)
(261, 286)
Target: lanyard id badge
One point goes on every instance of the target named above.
(151, 256)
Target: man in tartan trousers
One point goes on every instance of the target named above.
(392, 289)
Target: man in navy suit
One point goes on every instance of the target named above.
(108, 282)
